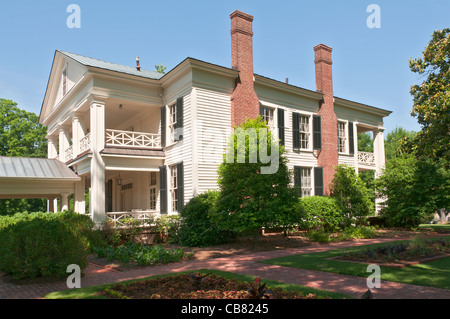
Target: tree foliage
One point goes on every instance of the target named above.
(413, 190)
(20, 132)
(21, 135)
(351, 194)
(249, 199)
(432, 99)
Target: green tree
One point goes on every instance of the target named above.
(432, 99)
(20, 132)
(160, 68)
(393, 143)
(21, 135)
(351, 194)
(249, 199)
(413, 190)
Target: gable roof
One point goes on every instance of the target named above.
(35, 168)
(96, 63)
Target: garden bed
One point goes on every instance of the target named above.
(199, 286)
(401, 254)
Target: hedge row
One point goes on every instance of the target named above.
(44, 244)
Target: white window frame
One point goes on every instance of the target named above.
(64, 81)
(153, 191)
(307, 181)
(172, 110)
(342, 137)
(269, 117)
(173, 188)
(307, 132)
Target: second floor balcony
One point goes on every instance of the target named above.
(117, 139)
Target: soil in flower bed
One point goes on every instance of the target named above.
(197, 286)
(401, 254)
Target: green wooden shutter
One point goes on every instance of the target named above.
(351, 139)
(163, 189)
(180, 186)
(281, 126)
(163, 126)
(298, 179)
(261, 109)
(318, 181)
(179, 124)
(317, 133)
(296, 130)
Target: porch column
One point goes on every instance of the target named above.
(378, 149)
(97, 199)
(64, 201)
(78, 200)
(63, 143)
(52, 143)
(77, 135)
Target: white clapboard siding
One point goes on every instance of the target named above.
(181, 151)
(213, 130)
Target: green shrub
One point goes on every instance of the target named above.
(197, 229)
(351, 195)
(142, 255)
(41, 244)
(167, 227)
(358, 231)
(319, 235)
(321, 212)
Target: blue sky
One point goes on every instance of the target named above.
(369, 65)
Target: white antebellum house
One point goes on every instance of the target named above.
(146, 142)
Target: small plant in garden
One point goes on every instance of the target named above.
(259, 291)
(198, 279)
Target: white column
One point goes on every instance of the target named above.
(378, 149)
(78, 200)
(52, 151)
(97, 200)
(355, 146)
(64, 202)
(63, 143)
(77, 135)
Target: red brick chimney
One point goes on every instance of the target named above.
(244, 101)
(328, 156)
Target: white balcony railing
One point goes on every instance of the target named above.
(117, 138)
(68, 153)
(132, 139)
(366, 158)
(85, 143)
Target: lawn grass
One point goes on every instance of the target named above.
(89, 292)
(441, 227)
(432, 274)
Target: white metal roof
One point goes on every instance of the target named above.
(34, 168)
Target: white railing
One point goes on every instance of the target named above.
(85, 143)
(132, 139)
(68, 153)
(122, 219)
(366, 158)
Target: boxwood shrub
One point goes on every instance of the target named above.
(197, 229)
(43, 244)
(321, 212)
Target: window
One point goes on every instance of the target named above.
(173, 188)
(153, 191)
(342, 137)
(153, 198)
(64, 81)
(267, 116)
(304, 132)
(172, 121)
(306, 185)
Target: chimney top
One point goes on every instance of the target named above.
(138, 67)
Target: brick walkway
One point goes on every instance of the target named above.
(243, 264)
